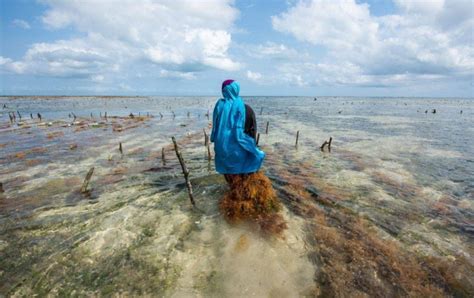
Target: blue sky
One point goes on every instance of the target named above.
(173, 47)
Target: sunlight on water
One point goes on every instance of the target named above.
(389, 211)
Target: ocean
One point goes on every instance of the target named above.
(387, 211)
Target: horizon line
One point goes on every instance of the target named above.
(311, 96)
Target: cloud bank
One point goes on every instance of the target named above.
(177, 37)
(425, 40)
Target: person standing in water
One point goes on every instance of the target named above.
(235, 148)
(250, 195)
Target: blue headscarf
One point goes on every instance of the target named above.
(235, 151)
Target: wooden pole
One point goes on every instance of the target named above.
(163, 160)
(87, 180)
(206, 137)
(258, 138)
(324, 144)
(185, 171)
(209, 157)
(328, 143)
(1, 188)
(120, 148)
(266, 128)
(261, 111)
(297, 137)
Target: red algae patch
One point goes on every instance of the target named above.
(20, 155)
(251, 197)
(33, 162)
(53, 135)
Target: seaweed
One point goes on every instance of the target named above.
(251, 197)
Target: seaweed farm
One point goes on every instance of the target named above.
(386, 210)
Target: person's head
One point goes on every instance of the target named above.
(230, 89)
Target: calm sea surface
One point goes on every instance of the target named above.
(400, 173)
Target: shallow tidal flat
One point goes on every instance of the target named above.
(387, 212)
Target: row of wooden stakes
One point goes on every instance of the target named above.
(326, 143)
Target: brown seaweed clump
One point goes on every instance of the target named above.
(251, 197)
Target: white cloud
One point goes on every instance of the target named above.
(254, 76)
(21, 24)
(177, 75)
(424, 40)
(180, 37)
(272, 50)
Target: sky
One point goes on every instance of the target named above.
(272, 47)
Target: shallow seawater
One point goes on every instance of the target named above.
(388, 211)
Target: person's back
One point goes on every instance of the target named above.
(235, 151)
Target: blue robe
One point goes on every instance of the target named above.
(235, 151)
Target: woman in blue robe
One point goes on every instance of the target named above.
(235, 151)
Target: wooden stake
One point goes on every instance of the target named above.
(120, 148)
(209, 157)
(163, 160)
(1, 188)
(327, 143)
(324, 144)
(297, 137)
(86, 181)
(266, 129)
(206, 138)
(39, 116)
(185, 171)
(258, 138)
(261, 111)
(105, 116)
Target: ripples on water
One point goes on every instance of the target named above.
(389, 211)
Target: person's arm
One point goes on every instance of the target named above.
(246, 141)
(250, 122)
